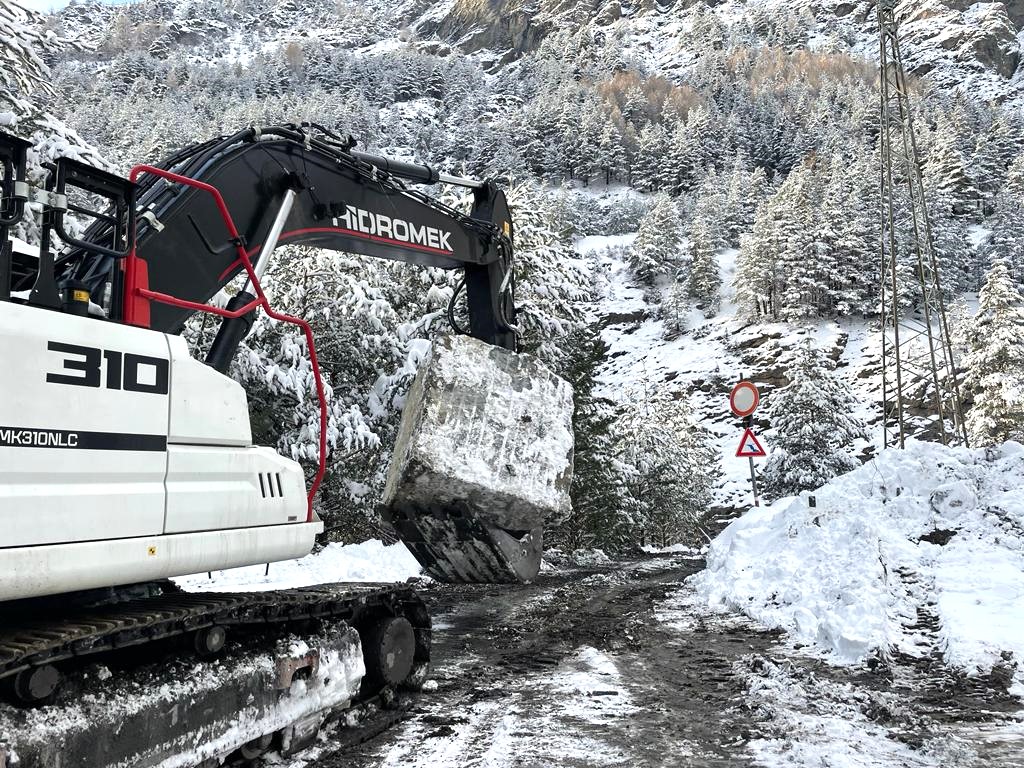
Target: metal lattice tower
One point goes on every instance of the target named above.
(917, 355)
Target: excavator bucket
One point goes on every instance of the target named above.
(483, 462)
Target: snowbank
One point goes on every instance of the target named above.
(369, 561)
(918, 551)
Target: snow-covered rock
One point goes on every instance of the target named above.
(961, 44)
(489, 428)
(918, 552)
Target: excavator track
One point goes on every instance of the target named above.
(366, 624)
(33, 640)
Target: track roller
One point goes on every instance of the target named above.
(209, 641)
(35, 686)
(257, 747)
(389, 648)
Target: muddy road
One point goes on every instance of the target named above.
(619, 665)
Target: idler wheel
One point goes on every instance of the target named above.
(389, 648)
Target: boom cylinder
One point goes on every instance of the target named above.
(234, 329)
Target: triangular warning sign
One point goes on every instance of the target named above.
(750, 447)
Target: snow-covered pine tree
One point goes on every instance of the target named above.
(601, 514)
(946, 169)
(814, 428)
(552, 282)
(704, 281)
(949, 236)
(675, 308)
(656, 250)
(745, 188)
(23, 43)
(611, 152)
(994, 367)
(1007, 241)
(673, 467)
(649, 168)
(1015, 177)
(858, 230)
(757, 280)
(807, 259)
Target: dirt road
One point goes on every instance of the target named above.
(620, 666)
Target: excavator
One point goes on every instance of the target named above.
(125, 461)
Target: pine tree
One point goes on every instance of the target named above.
(650, 169)
(672, 464)
(601, 514)
(675, 308)
(23, 43)
(858, 227)
(994, 367)
(704, 281)
(758, 280)
(949, 238)
(655, 251)
(680, 168)
(745, 188)
(611, 152)
(1007, 240)
(814, 428)
(946, 169)
(1015, 177)
(552, 286)
(806, 261)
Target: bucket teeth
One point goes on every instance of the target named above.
(454, 546)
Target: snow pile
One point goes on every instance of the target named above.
(671, 549)
(919, 551)
(370, 561)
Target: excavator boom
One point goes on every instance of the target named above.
(344, 200)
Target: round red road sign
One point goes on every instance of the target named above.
(744, 399)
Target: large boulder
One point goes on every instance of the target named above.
(482, 463)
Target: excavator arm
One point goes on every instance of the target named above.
(284, 185)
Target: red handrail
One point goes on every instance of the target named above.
(137, 312)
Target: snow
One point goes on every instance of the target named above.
(371, 561)
(854, 574)
(823, 723)
(561, 717)
(712, 354)
(681, 549)
(977, 235)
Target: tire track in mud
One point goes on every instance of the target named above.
(575, 670)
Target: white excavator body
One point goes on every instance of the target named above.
(124, 460)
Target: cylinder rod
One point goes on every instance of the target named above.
(263, 261)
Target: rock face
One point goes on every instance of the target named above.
(956, 33)
(962, 44)
(483, 461)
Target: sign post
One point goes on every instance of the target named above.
(743, 400)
